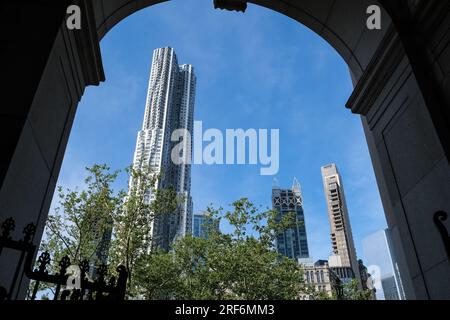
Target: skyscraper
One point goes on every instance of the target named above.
(202, 225)
(344, 252)
(292, 243)
(379, 254)
(169, 106)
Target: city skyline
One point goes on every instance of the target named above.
(233, 93)
(284, 88)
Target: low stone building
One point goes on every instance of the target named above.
(320, 278)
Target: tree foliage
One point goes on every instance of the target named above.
(132, 241)
(351, 291)
(96, 222)
(100, 225)
(348, 291)
(82, 219)
(240, 265)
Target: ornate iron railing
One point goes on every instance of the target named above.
(439, 218)
(77, 287)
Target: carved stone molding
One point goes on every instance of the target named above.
(385, 61)
(232, 5)
(88, 45)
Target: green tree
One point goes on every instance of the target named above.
(242, 264)
(77, 227)
(348, 291)
(81, 224)
(98, 224)
(132, 244)
(351, 291)
(239, 265)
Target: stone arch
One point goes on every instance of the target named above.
(341, 23)
(402, 85)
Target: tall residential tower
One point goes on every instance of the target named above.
(344, 252)
(203, 224)
(169, 106)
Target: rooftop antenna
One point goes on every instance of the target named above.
(275, 184)
(296, 186)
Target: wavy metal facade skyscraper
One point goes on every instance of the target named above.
(169, 106)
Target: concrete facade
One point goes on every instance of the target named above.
(340, 227)
(401, 75)
(319, 277)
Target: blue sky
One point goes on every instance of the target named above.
(255, 70)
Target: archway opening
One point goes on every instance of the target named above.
(248, 69)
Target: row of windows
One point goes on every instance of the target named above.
(315, 276)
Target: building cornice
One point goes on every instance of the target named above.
(426, 14)
(386, 59)
(88, 45)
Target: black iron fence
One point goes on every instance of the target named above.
(71, 282)
(439, 219)
(66, 286)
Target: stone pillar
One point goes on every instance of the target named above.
(405, 118)
(46, 84)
